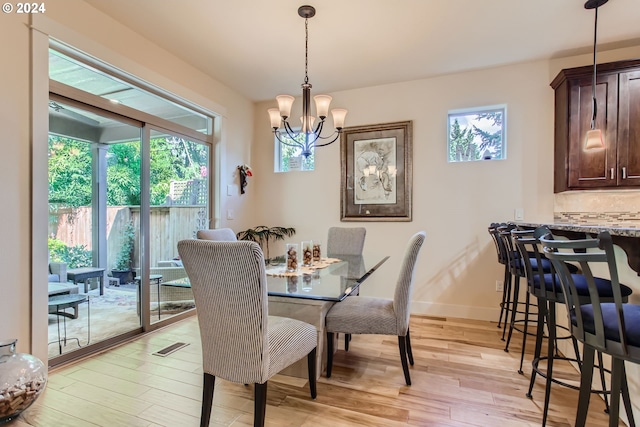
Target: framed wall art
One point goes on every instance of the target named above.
(376, 172)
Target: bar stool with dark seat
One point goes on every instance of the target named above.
(503, 260)
(604, 324)
(547, 289)
(517, 271)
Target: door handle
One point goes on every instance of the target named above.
(612, 172)
(624, 172)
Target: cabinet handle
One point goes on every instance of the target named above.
(624, 172)
(612, 173)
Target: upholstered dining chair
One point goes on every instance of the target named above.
(241, 343)
(369, 315)
(346, 241)
(218, 234)
(609, 327)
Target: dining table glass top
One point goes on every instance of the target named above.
(332, 279)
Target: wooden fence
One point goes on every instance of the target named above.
(168, 225)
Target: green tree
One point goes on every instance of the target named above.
(69, 172)
(461, 145)
(489, 139)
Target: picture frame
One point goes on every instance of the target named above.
(377, 172)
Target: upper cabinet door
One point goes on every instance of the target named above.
(629, 128)
(593, 168)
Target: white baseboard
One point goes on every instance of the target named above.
(452, 310)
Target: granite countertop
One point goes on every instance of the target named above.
(629, 230)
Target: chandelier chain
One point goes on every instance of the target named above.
(306, 50)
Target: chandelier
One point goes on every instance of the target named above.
(308, 137)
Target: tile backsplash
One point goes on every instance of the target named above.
(615, 208)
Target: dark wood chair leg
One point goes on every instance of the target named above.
(409, 352)
(311, 367)
(347, 338)
(586, 377)
(207, 399)
(329, 353)
(260, 404)
(403, 358)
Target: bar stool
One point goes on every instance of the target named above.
(546, 287)
(502, 259)
(517, 271)
(606, 325)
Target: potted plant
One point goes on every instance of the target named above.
(122, 269)
(263, 234)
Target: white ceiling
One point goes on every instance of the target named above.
(257, 46)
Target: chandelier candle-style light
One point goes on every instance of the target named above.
(308, 136)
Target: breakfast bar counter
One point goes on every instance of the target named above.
(627, 238)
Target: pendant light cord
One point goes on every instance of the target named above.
(593, 82)
(306, 50)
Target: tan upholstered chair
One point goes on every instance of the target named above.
(240, 341)
(218, 234)
(368, 315)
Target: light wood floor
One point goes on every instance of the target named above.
(461, 377)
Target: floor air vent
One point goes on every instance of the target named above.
(172, 348)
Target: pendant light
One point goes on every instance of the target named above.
(594, 138)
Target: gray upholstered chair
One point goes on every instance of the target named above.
(241, 343)
(218, 234)
(345, 240)
(368, 315)
(342, 242)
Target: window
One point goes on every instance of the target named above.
(289, 158)
(477, 134)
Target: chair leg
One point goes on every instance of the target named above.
(514, 310)
(508, 305)
(542, 312)
(586, 377)
(617, 369)
(347, 338)
(603, 382)
(627, 399)
(311, 364)
(503, 304)
(409, 352)
(402, 344)
(551, 326)
(526, 329)
(207, 399)
(260, 404)
(329, 353)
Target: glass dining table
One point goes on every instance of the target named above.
(309, 293)
(330, 279)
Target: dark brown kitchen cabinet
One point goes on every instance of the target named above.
(618, 115)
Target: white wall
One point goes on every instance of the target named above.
(453, 202)
(83, 27)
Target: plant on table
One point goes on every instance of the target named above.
(263, 234)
